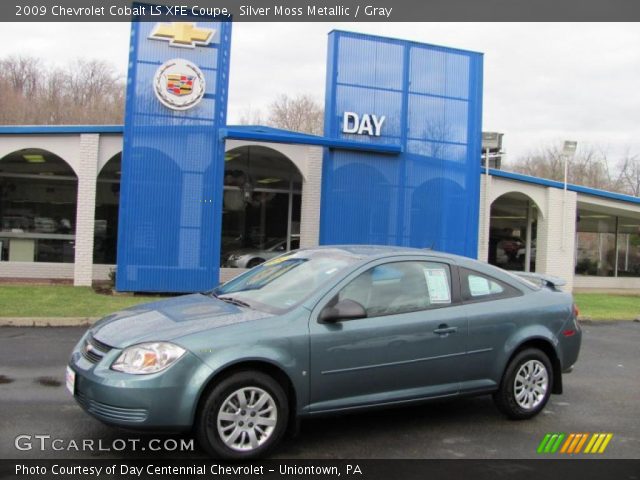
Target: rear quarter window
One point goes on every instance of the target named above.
(478, 287)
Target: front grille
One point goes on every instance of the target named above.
(110, 412)
(93, 350)
(103, 347)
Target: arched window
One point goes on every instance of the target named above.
(513, 232)
(38, 196)
(105, 238)
(261, 207)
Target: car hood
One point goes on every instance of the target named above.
(169, 319)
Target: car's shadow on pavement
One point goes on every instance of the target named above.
(391, 432)
(400, 432)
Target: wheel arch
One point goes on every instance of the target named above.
(544, 345)
(255, 261)
(261, 365)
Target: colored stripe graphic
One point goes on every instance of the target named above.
(568, 442)
(577, 442)
(574, 443)
(598, 443)
(550, 443)
(543, 443)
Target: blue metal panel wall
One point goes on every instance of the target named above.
(428, 196)
(172, 167)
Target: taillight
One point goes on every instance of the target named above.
(570, 332)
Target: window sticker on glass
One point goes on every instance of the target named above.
(478, 286)
(276, 260)
(269, 272)
(438, 285)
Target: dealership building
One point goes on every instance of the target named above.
(177, 200)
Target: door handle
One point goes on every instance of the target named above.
(445, 330)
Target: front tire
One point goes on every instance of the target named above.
(243, 417)
(254, 262)
(526, 385)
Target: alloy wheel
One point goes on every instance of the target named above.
(531, 384)
(247, 419)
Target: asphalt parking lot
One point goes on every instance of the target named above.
(601, 395)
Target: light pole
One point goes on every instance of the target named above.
(568, 152)
(491, 142)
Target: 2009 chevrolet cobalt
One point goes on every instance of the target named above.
(329, 329)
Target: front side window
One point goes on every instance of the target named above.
(400, 287)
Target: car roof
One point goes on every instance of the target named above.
(372, 251)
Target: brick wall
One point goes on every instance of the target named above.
(310, 208)
(85, 213)
(36, 270)
(556, 236)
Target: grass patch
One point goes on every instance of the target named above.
(604, 306)
(68, 301)
(61, 301)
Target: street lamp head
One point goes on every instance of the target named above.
(569, 148)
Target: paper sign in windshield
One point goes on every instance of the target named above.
(438, 285)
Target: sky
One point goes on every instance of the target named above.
(543, 82)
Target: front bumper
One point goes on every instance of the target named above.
(236, 262)
(163, 400)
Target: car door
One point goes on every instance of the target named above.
(495, 310)
(409, 346)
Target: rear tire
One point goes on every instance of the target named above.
(526, 385)
(243, 417)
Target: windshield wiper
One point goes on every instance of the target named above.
(234, 301)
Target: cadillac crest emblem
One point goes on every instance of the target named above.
(179, 84)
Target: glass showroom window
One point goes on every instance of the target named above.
(38, 193)
(628, 247)
(606, 245)
(512, 232)
(261, 208)
(105, 238)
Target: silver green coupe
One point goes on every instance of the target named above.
(326, 330)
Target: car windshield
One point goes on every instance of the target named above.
(285, 281)
(274, 243)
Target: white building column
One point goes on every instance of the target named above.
(85, 213)
(485, 218)
(310, 205)
(556, 236)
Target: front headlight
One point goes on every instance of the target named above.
(147, 358)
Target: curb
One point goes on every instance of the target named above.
(589, 321)
(47, 321)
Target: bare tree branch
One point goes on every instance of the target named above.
(300, 114)
(590, 167)
(87, 91)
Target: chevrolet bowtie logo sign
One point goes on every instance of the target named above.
(182, 34)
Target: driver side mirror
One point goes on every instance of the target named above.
(343, 310)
